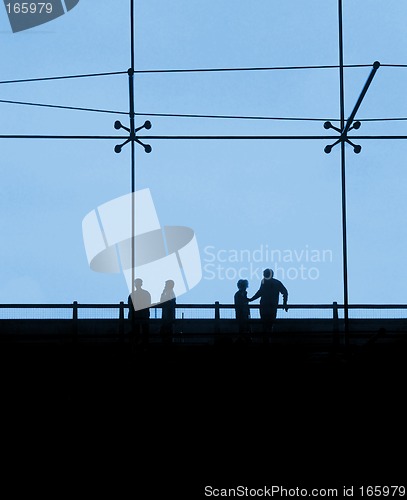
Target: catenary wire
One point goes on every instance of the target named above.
(56, 106)
(186, 115)
(194, 70)
(165, 115)
(67, 77)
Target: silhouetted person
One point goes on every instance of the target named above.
(168, 302)
(269, 293)
(242, 310)
(139, 313)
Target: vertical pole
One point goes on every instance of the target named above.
(343, 175)
(335, 325)
(121, 321)
(132, 34)
(75, 321)
(133, 149)
(217, 317)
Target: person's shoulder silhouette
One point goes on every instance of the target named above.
(240, 296)
(139, 299)
(168, 304)
(270, 289)
(168, 292)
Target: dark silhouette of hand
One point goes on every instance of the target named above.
(286, 308)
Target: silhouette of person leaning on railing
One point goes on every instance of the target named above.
(139, 312)
(269, 293)
(242, 310)
(168, 302)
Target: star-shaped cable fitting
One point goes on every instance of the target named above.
(132, 137)
(355, 126)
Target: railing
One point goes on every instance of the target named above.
(215, 311)
(199, 323)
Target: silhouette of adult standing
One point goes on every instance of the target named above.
(168, 302)
(139, 313)
(242, 310)
(269, 293)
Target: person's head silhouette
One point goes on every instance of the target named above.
(168, 292)
(242, 285)
(138, 283)
(169, 284)
(268, 274)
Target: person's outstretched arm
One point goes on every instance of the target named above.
(284, 293)
(256, 295)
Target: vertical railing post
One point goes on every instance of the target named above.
(75, 320)
(217, 317)
(181, 332)
(335, 324)
(335, 315)
(121, 321)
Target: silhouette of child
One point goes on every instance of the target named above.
(242, 306)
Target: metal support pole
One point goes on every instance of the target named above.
(343, 173)
(344, 244)
(74, 321)
(376, 66)
(217, 317)
(133, 152)
(121, 321)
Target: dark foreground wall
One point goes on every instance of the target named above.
(190, 328)
(97, 415)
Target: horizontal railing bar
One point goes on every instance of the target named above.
(38, 306)
(60, 306)
(201, 306)
(374, 306)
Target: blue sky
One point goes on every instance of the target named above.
(240, 197)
